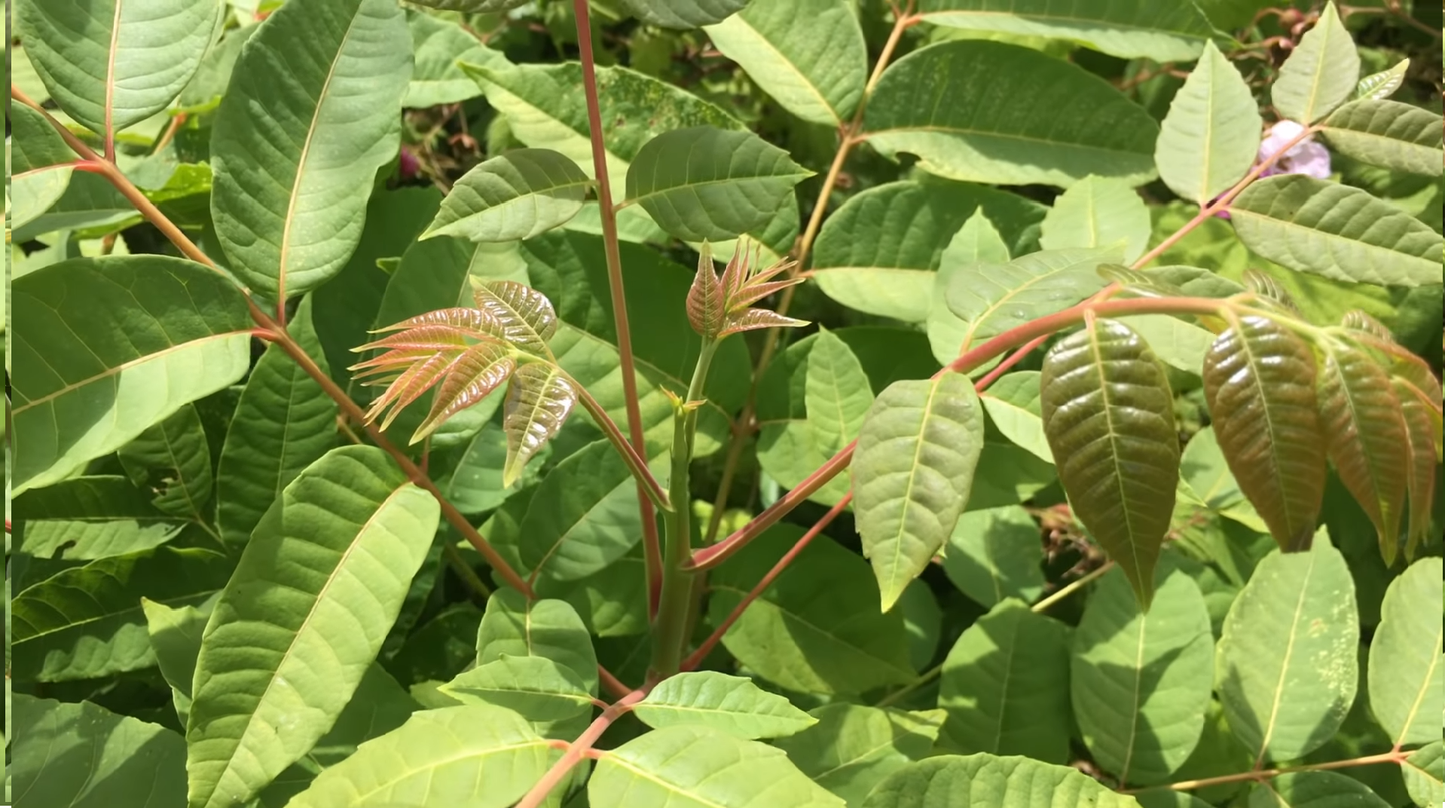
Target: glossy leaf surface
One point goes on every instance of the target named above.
(534, 687)
(1314, 790)
(538, 403)
(838, 394)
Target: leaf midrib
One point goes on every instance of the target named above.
(806, 81)
(1285, 663)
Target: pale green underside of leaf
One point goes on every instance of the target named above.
(1424, 773)
(512, 626)
(1204, 468)
(1314, 790)
(1338, 232)
(475, 755)
(953, 105)
(1178, 344)
(996, 554)
(298, 144)
(992, 299)
(1287, 665)
(95, 365)
(1210, 138)
(852, 747)
(809, 55)
(1320, 73)
(1388, 134)
(534, 687)
(1141, 683)
(472, 6)
(731, 704)
(1097, 212)
(1005, 686)
(838, 394)
(513, 196)
(700, 767)
(1406, 671)
(709, 184)
(437, 46)
(987, 781)
(36, 151)
(683, 14)
(977, 242)
(1164, 32)
(312, 599)
(116, 61)
(175, 635)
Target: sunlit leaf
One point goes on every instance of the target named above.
(683, 13)
(1012, 404)
(1406, 670)
(1320, 74)
(838, 394)
(1164, 32)
(987, 781)
(175, 635)
(1314, 790)
(173, 461)
(853, 747)
(534, 687)
(540, 398)
(1259, 381)
(515, 627)
(438, 45)
(1204, 467)
(1211, 136)
(1388, 134)
(996, 554)
(1424, 774)
(1109, 415)
(728, 703)
(1098, 212)
(39, 165)
(527, 317)
(1382, 85)
(512, 196)
(479, 370)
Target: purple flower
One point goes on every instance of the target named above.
(1306, 157)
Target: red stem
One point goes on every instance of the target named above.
(579, 749)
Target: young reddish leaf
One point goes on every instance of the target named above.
(525, 315)
(1259, 382)
(1365, 433)
(706, 305)
(408, 387)
(1420, 430)
(757, 290)
(1270, 289)
(537, 405)
(1109, 417)
(474, 374)
(755, 319)
(1357, 320)
(739, 268)
(463, 319)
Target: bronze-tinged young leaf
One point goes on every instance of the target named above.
(525, 314)
(1269, 288)
(462, 320)
(1364, 429)
(706, 306)
(1109, 417)
(1421, 469)
(1259, 382)
(757, 319)
(480, 369)
(1357, 320)
(537, 405)
(418, 375)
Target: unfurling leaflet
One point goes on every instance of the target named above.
(719, 307)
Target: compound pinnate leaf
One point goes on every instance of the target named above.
(988, 781)
(1142, 682)
(538, 403)
(837, 394)
(90, 346)
(1388, 134)
(1422, 467)
(284, 650)
(1109, 416)
(113, 63)
(1337, 232)
(912, 474)
(513, 196)
(705, 183)
(81, 755)
(534, 687)
(1364, 428)
(1406, 671)
(1424, 773)
(1259, 382)
(1005, 686)
(1321, 73)
(731, 704)
(954, 105)
(298, 143)
(1287, 665)
(1211, 136)
(1098, 212)
(515, 627)
(809, 55)
(526, 316)
(683, 13)
(996, 554)
(1161, 31)
(1314, 790)
(852, 748)
(474, 755)
(701, 767)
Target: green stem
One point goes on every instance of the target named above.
(1072, 587)
(923, 679)
(1261, 775)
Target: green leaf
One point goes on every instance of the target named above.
(1005, 686)
(472, 6)
(1142, 683)
(705, 183)
(1012, 404)
(1337, 232)
(701, 767)
(977, 242)
(112, 64)
(1406, 672)
(39, 170)
(968, 126)
(438, 45)
(1109, 415)
(173, 460)
(1422, 429)
(1287, 665)
(1424, 774)
(283, 423)
(852, 748)
(175, 635)
(1210, 138)
(124, 341)
(78, 755)
(1259, 382)
(87, 622)
(534, 687)
(1364, 428)
(86, 518)
(838, 395)
(514, 627)
(996, 554)
(1314, 790)
(281, 655)
(731, 704)
(475, 485)
(1380, 86)
(1387, 134)
(205, 89)
(525, 315)
(297, 144)
(1169, 799)
(538, 402)
(1164, 32)
(1178, 344)
(683, 13)
(471, 755)
(515, 195)
(986, 781)
(818, 628)
(912, 474)
(1098, 212)
(809, 55)
(1205, 469)
(1320, 74)
(884, 250)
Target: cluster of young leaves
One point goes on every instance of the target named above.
(217, 606)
